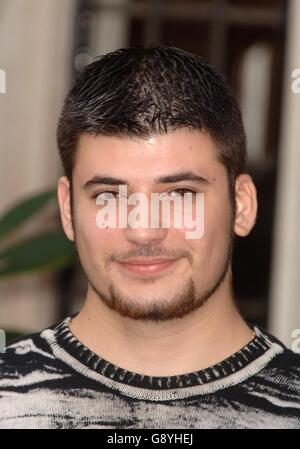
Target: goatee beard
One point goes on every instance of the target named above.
(182, 303)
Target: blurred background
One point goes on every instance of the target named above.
(43, 43)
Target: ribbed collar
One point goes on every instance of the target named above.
(255, 350)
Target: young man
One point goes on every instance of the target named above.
(159, 342)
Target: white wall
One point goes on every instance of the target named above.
(36, 42)
(284, 312)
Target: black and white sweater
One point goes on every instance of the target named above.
(51, 380)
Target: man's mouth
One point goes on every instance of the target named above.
(147, 265)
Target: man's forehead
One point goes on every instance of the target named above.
(179, 149)
(179, 136)
(180, 156)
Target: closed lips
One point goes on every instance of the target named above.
(147, 261)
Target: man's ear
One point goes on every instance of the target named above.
(64, 200)
(246, 205)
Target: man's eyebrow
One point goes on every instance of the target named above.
(97, 179)
(182, 176)
(176, 177)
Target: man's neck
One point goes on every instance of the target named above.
(164, 348)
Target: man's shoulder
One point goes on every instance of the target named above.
(283, 370)
(24, 356)
(288, 362)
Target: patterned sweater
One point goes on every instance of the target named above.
(51, 380)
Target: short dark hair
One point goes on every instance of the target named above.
(142, 91)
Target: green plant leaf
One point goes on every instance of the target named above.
(16, 215)
(49, 251)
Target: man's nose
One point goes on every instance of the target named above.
(145, 236)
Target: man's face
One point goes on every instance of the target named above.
(200, 265)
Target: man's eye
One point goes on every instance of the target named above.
(105, 195)
(111, 194)
(183, 191)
